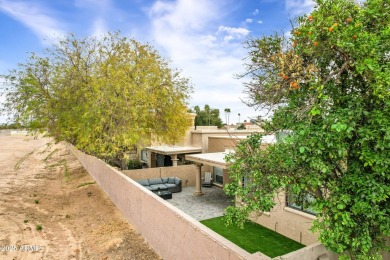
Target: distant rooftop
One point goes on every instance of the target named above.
(174, 149)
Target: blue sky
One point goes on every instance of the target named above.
(203, 38)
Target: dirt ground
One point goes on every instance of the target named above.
(50, 208)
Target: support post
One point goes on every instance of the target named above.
(198, 187)
(174, 159)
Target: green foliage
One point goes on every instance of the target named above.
(134, 164)
(106, 96)
(254, 237)
(241, 127)
(207, 116)
(85, 184)
(38, 227)
(329, 86)
(10, 126)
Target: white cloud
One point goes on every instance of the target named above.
(188, 32)
(99, 27)
(183, 15)
(249, 20)
(36, 17)
(234, 31)
(228, 38)
(101, 13)
(3, 117)
(255, 12)
(299, 7)
(260, 21)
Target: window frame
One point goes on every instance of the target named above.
(304, 198)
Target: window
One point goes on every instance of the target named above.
(144, 155)
(244, 181)
(218, 174)
(301, 201)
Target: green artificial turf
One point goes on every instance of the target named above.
(254, 237)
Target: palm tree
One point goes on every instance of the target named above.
(207, 110)
(227, 113)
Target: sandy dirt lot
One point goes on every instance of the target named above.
(50, 208)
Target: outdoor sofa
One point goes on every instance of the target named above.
(172, 184)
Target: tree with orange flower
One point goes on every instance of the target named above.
(328, 88)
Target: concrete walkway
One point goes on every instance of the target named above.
(210, 205)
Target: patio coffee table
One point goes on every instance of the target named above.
(166, 195)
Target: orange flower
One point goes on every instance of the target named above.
(285, 77)
(315, 43)
(354, 37)
(309, 32)
(294, 85)
(349, 19)
(330, 29)
(310, 18)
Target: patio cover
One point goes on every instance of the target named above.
(213, 159)
(174, 149)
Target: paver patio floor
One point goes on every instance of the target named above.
(210, 205)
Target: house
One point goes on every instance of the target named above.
(206, 147)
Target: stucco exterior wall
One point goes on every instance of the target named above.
(201, 137)
(220, 144)
(186, 173)
(172, 233)
(288, 222)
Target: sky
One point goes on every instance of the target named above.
(202, 38)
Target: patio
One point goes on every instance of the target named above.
(210, 205)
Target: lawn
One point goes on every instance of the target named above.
(254, 237)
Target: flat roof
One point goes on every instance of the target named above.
(174, 149)
(213, 159)
(266, 139)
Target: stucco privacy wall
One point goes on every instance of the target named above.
(171, 233)
(291, 223)
(186, 173)
(311, 252)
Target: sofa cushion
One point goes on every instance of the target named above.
(170, 185)
(158, 186)
(143, 182)
(171, 180)
(155, 181)
(165, 180)
(148, 187)
(177, 181)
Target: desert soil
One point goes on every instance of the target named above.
(50, 208)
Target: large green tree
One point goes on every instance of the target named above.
(328, 88)
(106, 96)
(207, 116)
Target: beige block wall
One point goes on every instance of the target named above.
(171, 233)
(288, 222)
(141, 174)
(217, 144)
(186, 173)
